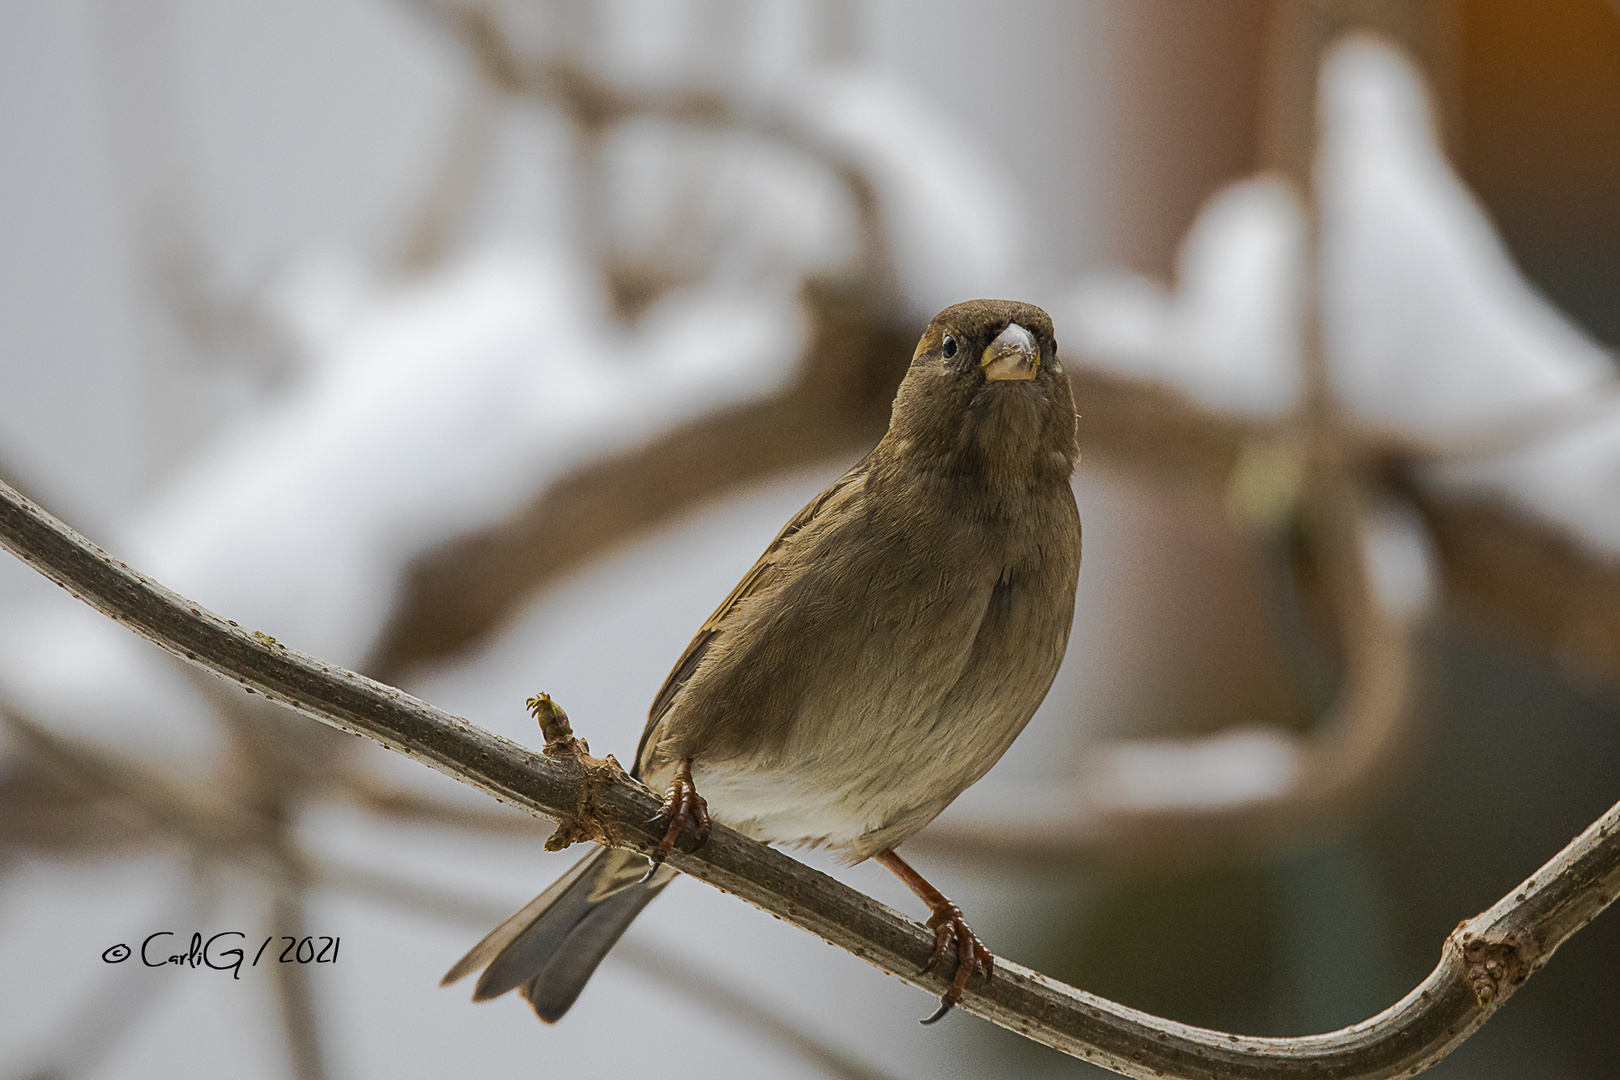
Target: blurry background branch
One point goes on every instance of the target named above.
(595, 104)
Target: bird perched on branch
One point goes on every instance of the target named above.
(879, 657)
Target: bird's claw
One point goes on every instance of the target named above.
(971, 955)
(682, 806)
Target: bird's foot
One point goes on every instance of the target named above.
(683, 806)
(951, 929)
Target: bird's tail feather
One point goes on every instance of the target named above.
(552, 946)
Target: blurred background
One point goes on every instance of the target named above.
(481, 346)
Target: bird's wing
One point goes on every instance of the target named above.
(758, 576)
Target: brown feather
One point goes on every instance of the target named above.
(758, 576)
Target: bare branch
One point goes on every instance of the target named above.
(1482, 963)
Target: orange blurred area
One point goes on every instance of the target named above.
(1539, 140)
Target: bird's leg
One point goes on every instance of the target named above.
(682, 806)
(949, 928)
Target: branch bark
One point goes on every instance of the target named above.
(1482, 962)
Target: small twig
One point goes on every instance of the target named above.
(559, 734)
(1483, 961)
(587, 822)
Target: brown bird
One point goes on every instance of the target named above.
(879, 657)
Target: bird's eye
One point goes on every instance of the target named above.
(948, 349)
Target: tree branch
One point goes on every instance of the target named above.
(1482, 963)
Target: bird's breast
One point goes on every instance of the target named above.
(855, 701)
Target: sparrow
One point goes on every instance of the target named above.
(879, 658)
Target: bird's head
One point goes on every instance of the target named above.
(985, 392)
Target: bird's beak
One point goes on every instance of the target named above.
(1013, 355)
